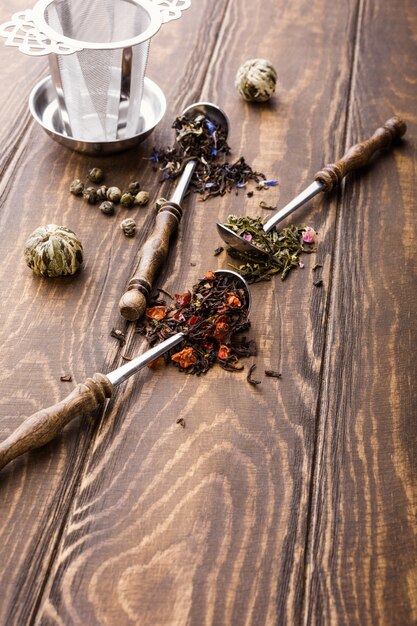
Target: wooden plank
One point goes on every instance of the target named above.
(55, 327)
(361, 566)
(208, 523)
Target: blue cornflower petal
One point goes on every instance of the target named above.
(210, 126)
(269, 183)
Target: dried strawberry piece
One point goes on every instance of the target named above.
(224, 352)
(183, 299)
(211, 276)
(156, 362)
(233, 301)
(156, 313)
(221, 331)
(185, 358)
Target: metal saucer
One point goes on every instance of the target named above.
(43, 106)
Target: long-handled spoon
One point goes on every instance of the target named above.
(325, 180)
(44, 425)
(132, 304)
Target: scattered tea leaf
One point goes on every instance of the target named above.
(269, 207)
(66, 379)
(249, 378)
(272, 374)
(119, 335)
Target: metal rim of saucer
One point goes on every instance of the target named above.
(43, 105)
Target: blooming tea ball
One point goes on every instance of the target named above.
(256, 80)
(53, 250)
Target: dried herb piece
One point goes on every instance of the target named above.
(272, 374)
(66, 379)
(266, 206)
(119, 335)
(133, 187)
(102, 193)
(128, 227)
(90, 195)
(209, 316)
(142, 198)
(218, 251)
(107, 207)
(249, 378)
(96, 175)
(318, 283)
(114, 194)
(316, 267)
(181, 421)
(77, 187)
(283, 248)
(127, 200)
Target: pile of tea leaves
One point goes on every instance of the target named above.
(209, 316)
(202, 140)
(282, 248)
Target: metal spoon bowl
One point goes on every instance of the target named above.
(214, 113)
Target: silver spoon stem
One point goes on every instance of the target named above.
(125, 371)
(308, 193)
(183, 182)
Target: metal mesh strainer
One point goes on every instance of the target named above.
(98, 51)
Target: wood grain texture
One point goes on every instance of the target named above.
(60, 326)
(290, 503)
(361, 565)
(207, 524)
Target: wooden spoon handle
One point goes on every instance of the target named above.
(44, 425)
(132, 304)
(360, 154)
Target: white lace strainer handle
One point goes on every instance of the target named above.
(28, 32)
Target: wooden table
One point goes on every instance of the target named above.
(291, 503)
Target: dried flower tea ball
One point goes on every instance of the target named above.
(256, 80)
(133, 187)
(127, 200)
(96, 175)
(114, 194)
(128, 226)
(102, 193)
(142, 198)
(77, 187)
(90, 195)
(107, 207)
(53, 250)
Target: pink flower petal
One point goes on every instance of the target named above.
(309, 235)
(247, 237)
